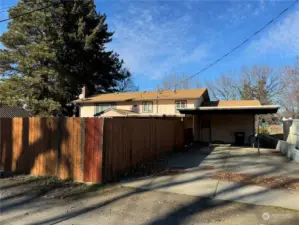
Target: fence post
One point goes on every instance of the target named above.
(258, 134)
(101, 148)
(60, 133)
(82, 147)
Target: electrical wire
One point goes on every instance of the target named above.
(239, 45)
(32, 11)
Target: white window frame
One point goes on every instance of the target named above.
(147, 107)
(182, 105)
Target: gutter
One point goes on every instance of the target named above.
(208, 108)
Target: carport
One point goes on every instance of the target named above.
(229, 122)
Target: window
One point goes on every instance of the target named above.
(180, 105)
(147, 106)
(103, 107)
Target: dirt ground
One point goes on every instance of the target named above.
(29, 200)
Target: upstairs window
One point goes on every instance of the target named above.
(147, 107)
(103, 107)
(180, 105)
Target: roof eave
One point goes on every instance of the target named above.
(126, 100)
(270, 109)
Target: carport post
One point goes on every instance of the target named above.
(258, 136)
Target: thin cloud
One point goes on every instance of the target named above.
(153, 45)
(282, 38)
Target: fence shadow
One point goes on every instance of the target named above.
(177, 216)
(33, 146)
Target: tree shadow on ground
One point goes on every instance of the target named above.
(178, 215)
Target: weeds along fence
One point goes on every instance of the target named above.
(85, 149)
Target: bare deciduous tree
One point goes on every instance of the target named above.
(258, 82)
(225, 88)
(290, 94)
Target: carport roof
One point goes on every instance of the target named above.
(256, 109)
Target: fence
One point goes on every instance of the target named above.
(267, 141)
(85, 149)
(291, 129)
(51, 147)
(130, 141)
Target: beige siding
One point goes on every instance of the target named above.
(160, 107)
(87, 110)
(223, 127)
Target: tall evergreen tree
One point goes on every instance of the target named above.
(56, 51)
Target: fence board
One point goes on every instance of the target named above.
(93, 150)
(70, 149)
(31, 146)
(73, 147)
(131, 141)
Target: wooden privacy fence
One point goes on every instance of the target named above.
(131, 141)
(62, 147)
(85, 149)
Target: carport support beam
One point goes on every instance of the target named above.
(258, 136)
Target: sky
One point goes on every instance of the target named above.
(161, 38)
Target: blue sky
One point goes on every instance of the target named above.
(160, 38)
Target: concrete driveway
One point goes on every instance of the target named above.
(235, 159)
(194, 173)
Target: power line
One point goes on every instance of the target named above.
(35, 10)
(239, 45)
(32, 11)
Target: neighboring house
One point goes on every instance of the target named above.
(211, 121)
(145, 103)
(11, 112)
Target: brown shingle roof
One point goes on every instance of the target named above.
(11, 112)
(239, 103)
(139, 96)
(231, 103)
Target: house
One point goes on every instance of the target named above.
(211, 121)
(165, 102)
(11, 112)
